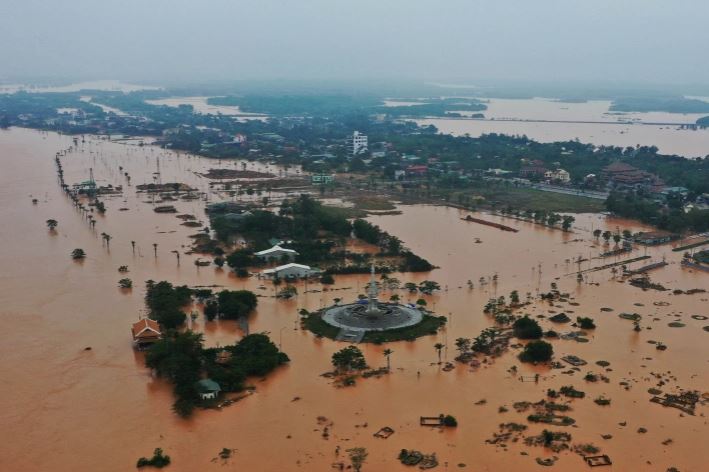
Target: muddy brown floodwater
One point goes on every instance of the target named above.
(70, 409)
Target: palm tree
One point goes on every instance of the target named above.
(106, 237)
(387, 353)
(155, 249)
(51, 224)
(132, 243)
(177, 253)
(439, 347)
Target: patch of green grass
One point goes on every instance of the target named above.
(315, 324)
(525, 198)
(373, 204)
(341, 212)
(429, 325)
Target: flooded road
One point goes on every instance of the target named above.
(67, 408)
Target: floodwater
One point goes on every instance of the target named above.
(200, 105)
(548, 120)
(109, 85)
(71, 409)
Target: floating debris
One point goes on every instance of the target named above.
(597, 461)
(384, 432)
(685, 402)
(560, 318)
(574, 360)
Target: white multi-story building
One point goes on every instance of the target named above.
(357, 143)
(558, 175)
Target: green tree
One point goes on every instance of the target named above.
(348, 359)
(526, 328)
(566, 222)
(77, 254)
(462, 345)
(358, 456)
(537, 351)
(235, 304)
(514, 297)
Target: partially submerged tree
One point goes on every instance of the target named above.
(526, 328)
(537, 351)
(77, 254)
(348, 359)
(387, 353)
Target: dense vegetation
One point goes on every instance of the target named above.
(313, 230)
(677, 104)
(527, 328)
(537, 351)
(165, 303)
(183, 361)
(672, 218)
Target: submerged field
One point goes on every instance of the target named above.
(101, 409)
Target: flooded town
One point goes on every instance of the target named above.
(307, 276)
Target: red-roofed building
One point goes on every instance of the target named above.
(620, 174)
(145, 332)
(416, 171)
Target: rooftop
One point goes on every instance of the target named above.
(145, 326)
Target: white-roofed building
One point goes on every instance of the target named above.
(290, 271)
(276, 253)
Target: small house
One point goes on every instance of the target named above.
(208, 389)
(145, 332)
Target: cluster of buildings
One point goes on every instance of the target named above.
(537, 170)
(620, 175)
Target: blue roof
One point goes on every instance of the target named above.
(208, 385)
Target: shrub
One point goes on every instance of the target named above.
(125, 283)
(585, 322)
(158, 460)
(78, 253)
(450, 421)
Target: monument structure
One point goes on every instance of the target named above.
(356, 319)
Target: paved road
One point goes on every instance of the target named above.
(570, 191)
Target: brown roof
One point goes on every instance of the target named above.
(146, 328)
(619, 167)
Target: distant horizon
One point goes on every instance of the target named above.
(489, 88)
(633, 41)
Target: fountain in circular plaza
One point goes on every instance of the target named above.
(356, 319)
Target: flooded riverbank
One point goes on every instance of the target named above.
(549, 120)
(100, 409)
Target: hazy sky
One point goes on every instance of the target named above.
(617, 40)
